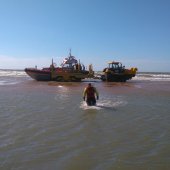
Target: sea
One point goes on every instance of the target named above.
(48, 126)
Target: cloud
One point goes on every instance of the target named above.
(9, 62)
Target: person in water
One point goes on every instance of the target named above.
(89, 94)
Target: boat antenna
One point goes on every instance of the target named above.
(70, 52)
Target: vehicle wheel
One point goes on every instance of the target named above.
(59, 78)
(108, 77)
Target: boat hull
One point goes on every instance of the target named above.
(57, 75)
(39, 75)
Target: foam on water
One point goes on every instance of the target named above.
(84, 106)
(12, 73)
(147, 76)
(104, 104)
(6, 82)
(152, 76)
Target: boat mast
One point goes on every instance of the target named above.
(70, 52)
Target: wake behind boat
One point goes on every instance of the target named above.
(70, 70)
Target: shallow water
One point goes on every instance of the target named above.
(46, 125)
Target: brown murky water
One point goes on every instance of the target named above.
(46, 125)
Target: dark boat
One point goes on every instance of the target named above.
(115, 72)
(70, 70)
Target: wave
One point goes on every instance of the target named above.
(149, 76)
(152, 76)
(7, 82)
(12, 77)
(12, 73)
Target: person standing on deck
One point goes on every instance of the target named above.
(89, 94)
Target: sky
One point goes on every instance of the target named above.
(134, 32)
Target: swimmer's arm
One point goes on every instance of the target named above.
(97, 93)
(84, 92)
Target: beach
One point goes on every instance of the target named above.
(47, 125)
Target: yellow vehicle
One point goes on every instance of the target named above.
(115, 72)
